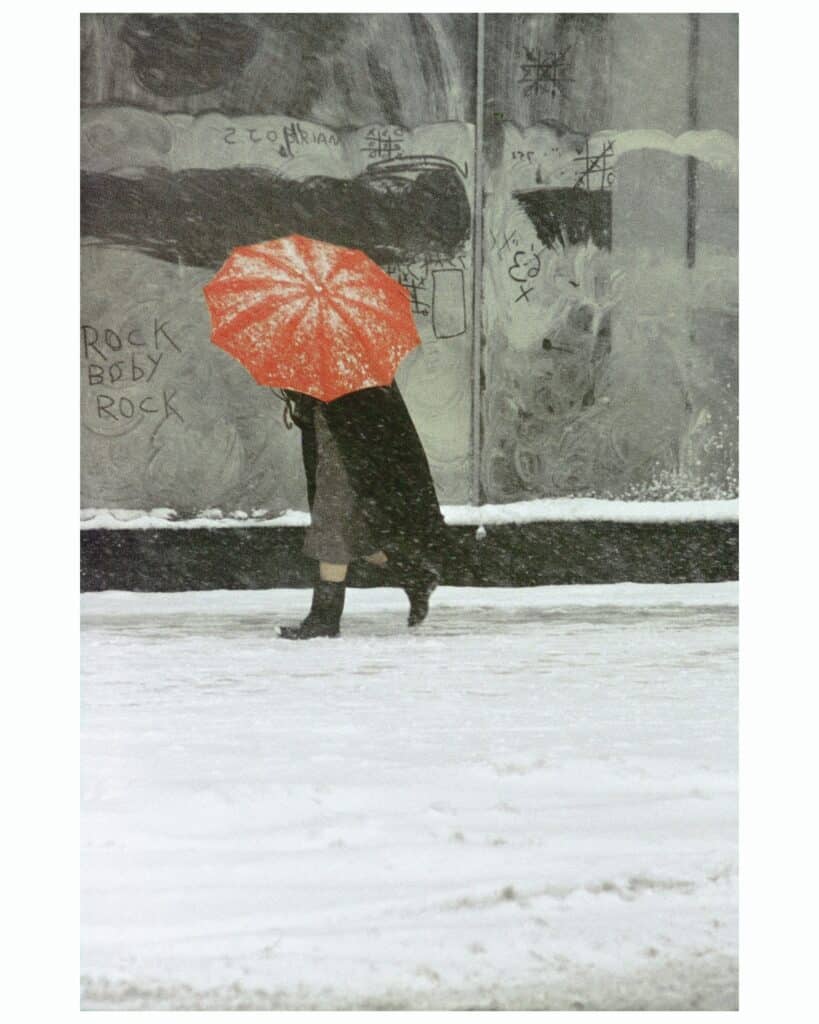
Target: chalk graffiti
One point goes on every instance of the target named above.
(383, 143)
(119, 359)
(113, 341)
(544, 72)
(524, 268)
(414, 278)
(525, 264)
(499, 245)
(595, 166)
(414, 164)
(292, 136)
(448, 303)
(436, 288)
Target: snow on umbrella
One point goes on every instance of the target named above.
(317, 318)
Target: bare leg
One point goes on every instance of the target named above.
(332, 572)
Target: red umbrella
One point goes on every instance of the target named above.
(314, 317)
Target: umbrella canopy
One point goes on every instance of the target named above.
(317, 318)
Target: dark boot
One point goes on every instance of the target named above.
(419, 590)
(418, 578)
(325, 613)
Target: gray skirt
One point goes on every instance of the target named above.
(337, 531)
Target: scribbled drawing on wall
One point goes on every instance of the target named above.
(448, 303)
(544, 72)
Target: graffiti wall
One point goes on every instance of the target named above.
(610, 275)
(204, 132)
(608, 293)
(170, 420)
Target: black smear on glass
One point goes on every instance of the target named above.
(384, 87)
(196, 217)
(573, 215)
(181, 55)
(429, 54)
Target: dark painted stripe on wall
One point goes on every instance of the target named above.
(196, 216)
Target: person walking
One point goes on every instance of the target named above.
(326, 327)
(371, 496)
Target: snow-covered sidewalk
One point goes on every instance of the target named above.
(529, 803)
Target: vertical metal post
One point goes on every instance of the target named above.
(477, 269)
(693, 117)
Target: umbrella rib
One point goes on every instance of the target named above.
(275, 346)
(322, 353)
(229, 310)
(355, 331)
(343, 265)
(284, 330)
(225, 283)
(289, 270)
(373, 309)
(249, 316)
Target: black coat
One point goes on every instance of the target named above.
(385, 464)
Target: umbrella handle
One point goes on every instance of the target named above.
(287, 412)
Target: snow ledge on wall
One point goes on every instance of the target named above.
(540, 510)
